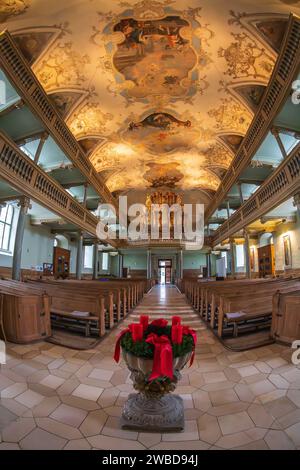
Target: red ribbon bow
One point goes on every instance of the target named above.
(163, 356)
(189, 331)
(118, 342)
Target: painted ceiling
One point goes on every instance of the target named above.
(159, 92)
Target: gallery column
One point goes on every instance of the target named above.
(120, 265)
(296, 203)
(208, 264)
(79, 255)
(95, 260)
(24, 205)
(232, 256)
(247, 254)
(149, 269)
(181, 264)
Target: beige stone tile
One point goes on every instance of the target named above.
(262, 387)
(229, 408)
(263, 367)
(59, 429)
(213, 377)
(182, 445)
(5, 382)
(9, 446)
(271, 396)
(17, 430)
(292, 375)
(294, 433)
(46, 407)
(93, 423)
(87, 405)
(87, 392)
(234, 440)
(280, 407)
(201, 400)
(77, 444)
(244, 393)
(108, 397)
(278, 440)
(289, 419)
(294, 396)
(29, 398)
(234, 423)
(279, 381)
(209, 429)
(42, 440)
(247, 371)
(222, 397)
(255, 445)
(101, 374)
(276, 362)
(13, 390)
(260, 416)
(112, 443)
(149, 439)
(112, 428)
(69, 415)
(190, 433)
(52, 381)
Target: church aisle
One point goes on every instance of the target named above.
(58, 398)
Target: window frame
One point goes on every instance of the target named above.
(8, 207)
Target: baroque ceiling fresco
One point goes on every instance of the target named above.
(159, 93)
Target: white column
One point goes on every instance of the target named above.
(79, 256)
(95, 260)
(149, 264)
(247, 253)
(120, 256)
(24, 205)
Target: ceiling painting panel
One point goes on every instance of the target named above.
(158, 92)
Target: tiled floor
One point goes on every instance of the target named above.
(58, 398)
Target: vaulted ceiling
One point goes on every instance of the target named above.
(159, 93)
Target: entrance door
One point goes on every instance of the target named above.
(165, 271)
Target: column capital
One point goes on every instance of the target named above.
(24, 203)
(296, 200)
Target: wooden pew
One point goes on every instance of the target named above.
(26, 315)
(286, 317)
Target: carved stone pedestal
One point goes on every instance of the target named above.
(164, 414)
(154, 408)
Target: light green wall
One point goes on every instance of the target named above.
(135, 261)
(192, 260)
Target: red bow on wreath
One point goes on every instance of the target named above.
(163, 357)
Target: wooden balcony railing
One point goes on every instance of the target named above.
(28, 178)
(283, 183)
(28, 87)
(279, 87)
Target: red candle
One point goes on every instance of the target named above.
(137, 332)
(177, 333)
(176, 321)
(144, 320)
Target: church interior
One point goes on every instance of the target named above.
(160, 102)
